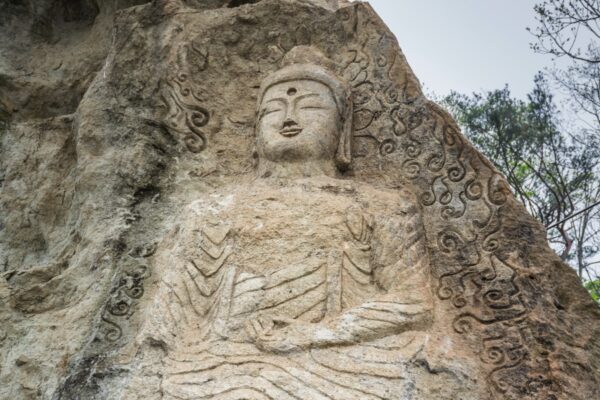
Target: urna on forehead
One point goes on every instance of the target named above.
(301, 90)
(296, 87)
(308, 64)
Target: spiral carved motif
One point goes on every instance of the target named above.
(186, 117)
(129, 288)
(458, 186)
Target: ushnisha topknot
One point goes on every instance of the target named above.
(305, 62)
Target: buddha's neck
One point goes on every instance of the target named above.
(296, 169)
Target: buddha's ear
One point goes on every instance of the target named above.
(343, 157)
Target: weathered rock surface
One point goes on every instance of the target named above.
(127, 146)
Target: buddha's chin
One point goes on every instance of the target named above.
(289, 149)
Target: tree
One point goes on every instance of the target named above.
(570, 30)
(553, 173)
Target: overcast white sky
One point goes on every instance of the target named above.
(466, 45)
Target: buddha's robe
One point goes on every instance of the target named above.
(345, 261)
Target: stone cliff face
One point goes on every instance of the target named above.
(115, 116)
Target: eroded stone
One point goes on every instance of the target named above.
(168, 238)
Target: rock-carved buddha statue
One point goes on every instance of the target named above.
(302, 284)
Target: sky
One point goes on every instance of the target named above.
(466, 45)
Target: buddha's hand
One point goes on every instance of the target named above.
(280, 335)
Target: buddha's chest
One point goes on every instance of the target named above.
(291, 258)
(268, 234)
(297, 252)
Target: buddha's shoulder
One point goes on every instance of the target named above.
(366, 191)
(310, 192)
(398, 193)
(335, 187)
(399, 198)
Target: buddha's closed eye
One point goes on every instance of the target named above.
(312, 107)
(268, 111)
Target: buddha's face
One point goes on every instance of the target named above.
(298, 120)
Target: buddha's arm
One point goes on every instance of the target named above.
(407, 306)
(401, 270)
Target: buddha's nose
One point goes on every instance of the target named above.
(289, 123)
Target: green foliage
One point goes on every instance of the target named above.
(570, 30)
(594, 288)
(523, 140)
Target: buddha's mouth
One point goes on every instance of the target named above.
(291, 131)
